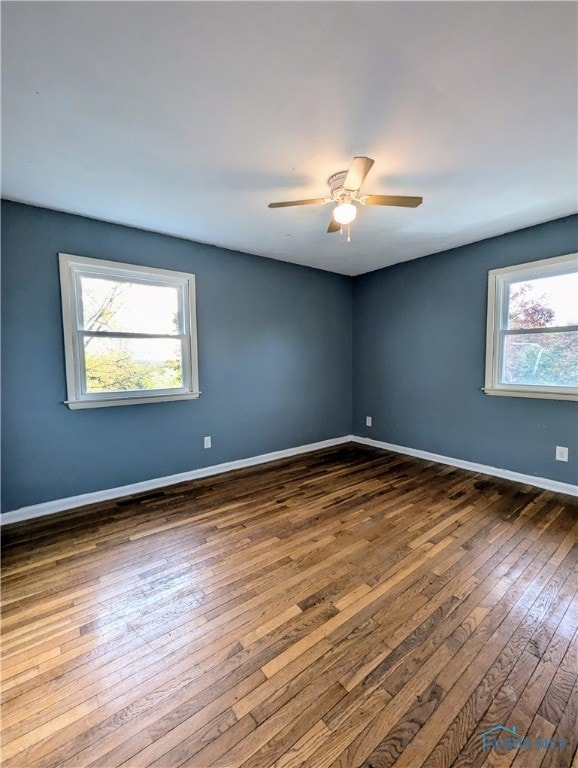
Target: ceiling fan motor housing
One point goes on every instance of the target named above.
(336, 186)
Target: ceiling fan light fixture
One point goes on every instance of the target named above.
(344, 213)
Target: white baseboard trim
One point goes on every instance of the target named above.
(61, 505)
(72, 502)
(507, 474)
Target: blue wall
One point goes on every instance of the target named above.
(419, 353)
(274, 362)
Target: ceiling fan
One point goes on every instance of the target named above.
(344, 190)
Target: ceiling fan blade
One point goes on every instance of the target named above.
(356, 174)
(401, 201)
(334, 226)
(313, 201)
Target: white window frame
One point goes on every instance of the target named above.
(72, 268)
(499, 281)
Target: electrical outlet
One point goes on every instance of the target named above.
(368, 421)
(561, 453)
(207, 442)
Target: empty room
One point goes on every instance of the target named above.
(289, 384)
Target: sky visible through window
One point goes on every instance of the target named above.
(111, 305)
(133, 307)
(558, 293)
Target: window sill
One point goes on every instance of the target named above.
(526, 393)
(106, 403)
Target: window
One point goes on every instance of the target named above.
(532, 339)
(129, 333)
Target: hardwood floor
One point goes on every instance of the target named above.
(346, 608)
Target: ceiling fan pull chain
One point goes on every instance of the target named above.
(349, 233)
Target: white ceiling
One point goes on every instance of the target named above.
(189, 117)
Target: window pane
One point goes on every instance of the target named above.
(110, 305)
(123, 365)
(544, 303)
(541, 359)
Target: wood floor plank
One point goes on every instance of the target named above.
(487, 661)
(348, 607)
